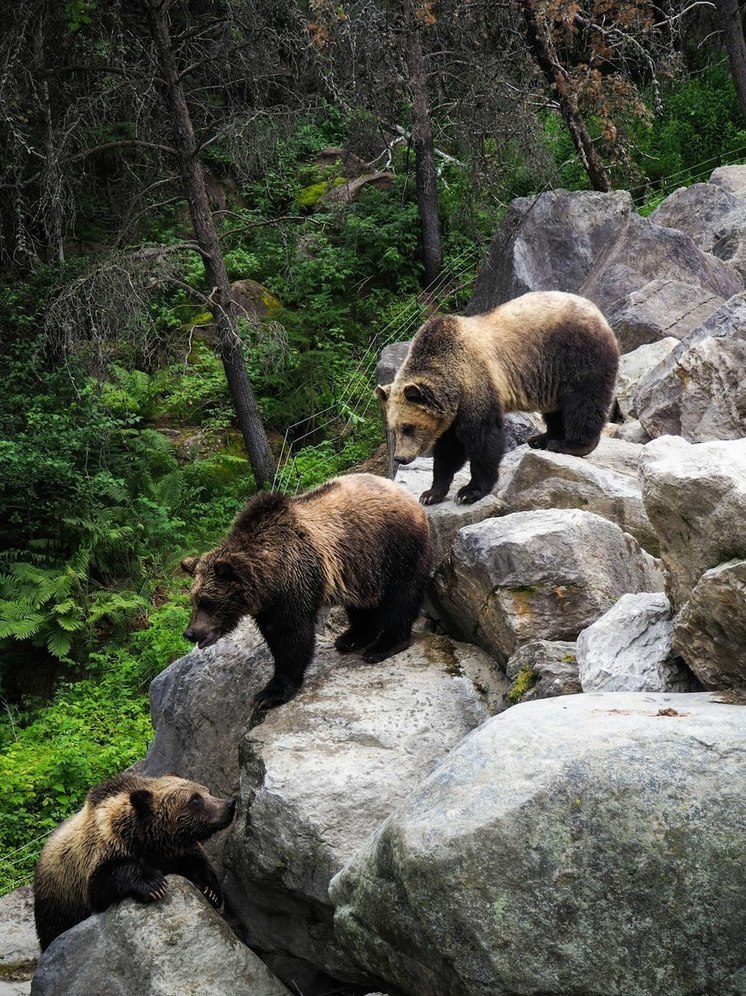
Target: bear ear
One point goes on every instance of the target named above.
(225, 570)
(141, 800)
(189, 565)
(422, 394)
(382, 393)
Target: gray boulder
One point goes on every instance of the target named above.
(695, 497)
(643, 252)
(319, 774)
(542, 670)
(710, 632)
(548, 242)
(556, 480)
(698, 210)
(632, 432)
(634, 367)
(391, 358)
(590, 844)
(731, 178)
(543, 575)
(449, 516)
(698, 391)
(629, 649)
(177, 946)
(201, 707)
(661, 309)
(19, 947)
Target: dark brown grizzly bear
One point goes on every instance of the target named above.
(131, 832)
(358, 541)
(548, 352)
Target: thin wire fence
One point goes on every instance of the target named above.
(357, 395)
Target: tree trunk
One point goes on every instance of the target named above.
(542, 47)
(735, 46)
(424, 156)
(226, 320)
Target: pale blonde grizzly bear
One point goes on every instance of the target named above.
(548, 352)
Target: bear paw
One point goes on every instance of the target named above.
(348, 641)
(152, 890)
(539, 441)
(213, 896)
(468, 495)
(432, 497)
(274, 693)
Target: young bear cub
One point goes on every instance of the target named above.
(131, 832)
(358, 541)
(550, 352)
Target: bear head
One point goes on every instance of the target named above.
(417, 415)
(222, 593)
(170, 814)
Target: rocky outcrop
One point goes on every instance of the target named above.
(19, 947)
(321, 773)
(634, 367)
(177, 946)
(446, 518)
(695, 497)
(713, 214)
(548, 242)
(543, 480)
(542, 670)
(201, 708)
(651, 282)
(660, 309)
(629, 649)
(710, 631)
(543, 575)
(552, 852)
(698, 390)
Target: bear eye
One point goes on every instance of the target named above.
(196, 799)
(407, 430)
(206, 605)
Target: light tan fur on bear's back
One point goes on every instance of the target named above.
(73, 851)
(369, 502)
(509, 340)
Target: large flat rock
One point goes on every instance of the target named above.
(556, 480)
(319, 774)
(177, 946)
(695, 497)
(542, 575)
(590, 844)
(698, 391)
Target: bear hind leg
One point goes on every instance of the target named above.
(555, 424)
(362, 631)
(584, 418)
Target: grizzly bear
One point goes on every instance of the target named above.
(131, 832)
(548, 352)
(358, 541)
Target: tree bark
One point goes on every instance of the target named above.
(225, 312)
(424, 155)
(735, 46)
(542, 47)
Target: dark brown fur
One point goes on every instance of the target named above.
(132, 831)
(547, 352)
(358, 541)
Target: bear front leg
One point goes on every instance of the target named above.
(486, 440)
(449, 456)
(120, 878)
(198, 870)
(291, 642)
